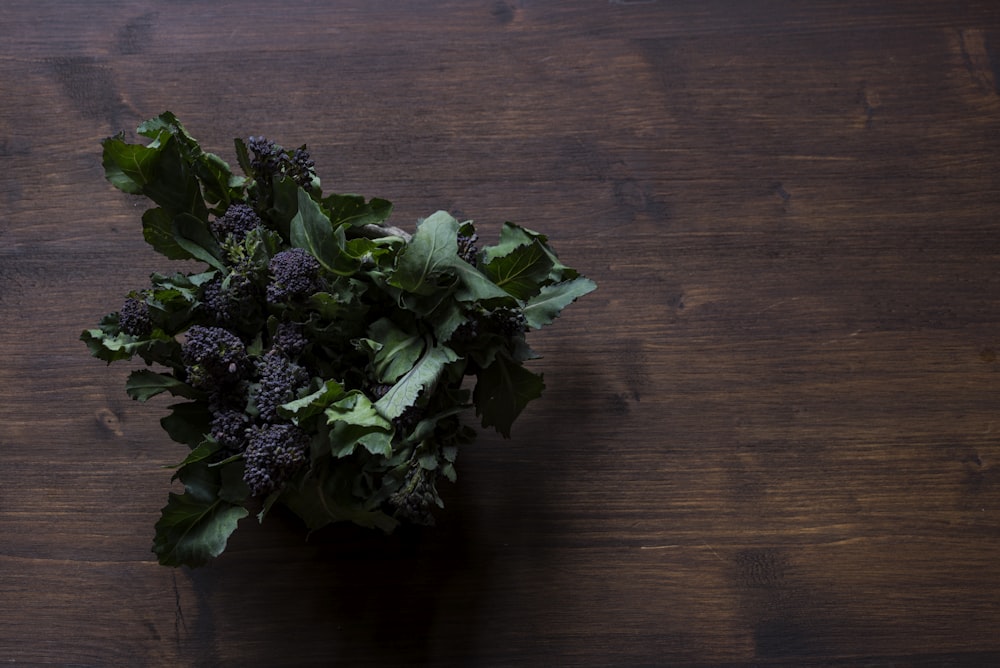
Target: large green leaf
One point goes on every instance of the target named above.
(544, 307)
(513, 236)
(195, 526)
(502, 391)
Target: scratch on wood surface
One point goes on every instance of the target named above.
(179, 622)
(712, 550)
(977, 59)
(841, 339)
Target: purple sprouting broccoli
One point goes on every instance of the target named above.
(236, 223)
(134, 317)
(274, 453)
(294, 274)
(215, 358)
(279, 381)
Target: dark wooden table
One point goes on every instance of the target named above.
(771, 437)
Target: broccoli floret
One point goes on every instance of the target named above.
(294, 274)
(416, 497)
(266, 156)
(408, 419)
(279, 382)
(231, 300)
(467, 249)
(509, 321)
(289, 339)
(274, 454)
(301, 167)
(134, 317)
(214, 357)
(229, 429)
(238, 220)
(270, 159)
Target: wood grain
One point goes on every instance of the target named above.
(769, 438)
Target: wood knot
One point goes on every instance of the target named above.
(108, 420)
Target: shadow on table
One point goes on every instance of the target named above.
(480, 581)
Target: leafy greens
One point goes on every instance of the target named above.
(321, 353)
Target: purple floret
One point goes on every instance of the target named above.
(294, 274)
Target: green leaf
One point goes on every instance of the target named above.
(320, 502)
(158, 231)
(424, 374)
(194, 236)
(311, 229)
(129, 167)
(476, 286)
(144, 383)
(111, 345)
(354, 419)
(398, 350)
(195, 526)
(219, 183)
(204, 450)
(502, 391)
(312, 404)
(170, 181)
(424, 264)
(513, 236)
(429, 266)
(188, 423)
(522, 271)
(354, 211)
(544, 307)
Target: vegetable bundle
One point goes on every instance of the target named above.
(323, 356)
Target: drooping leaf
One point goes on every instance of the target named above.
(429, 266)
(195, 526)
(188, 423)
(320, 502)
(204, 450)
(513, 236)
(544, 307)
(219, 184)
(502, 391)
(145, 383)
(129, 167)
